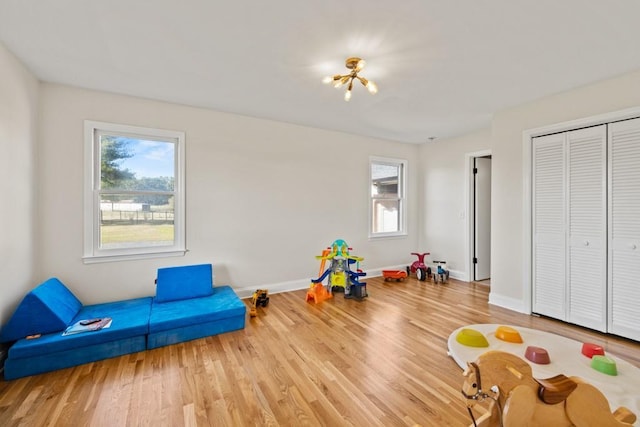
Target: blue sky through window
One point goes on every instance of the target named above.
(151, 159)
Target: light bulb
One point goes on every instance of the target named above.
(347, 95)
(372, 87)
(327, 80)
(360, 65)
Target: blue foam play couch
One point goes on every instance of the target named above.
(186, 306)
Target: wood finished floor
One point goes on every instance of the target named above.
(379, 362)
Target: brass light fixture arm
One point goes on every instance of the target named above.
(354, 64)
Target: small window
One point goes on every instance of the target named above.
(387, 209)
(134, 192)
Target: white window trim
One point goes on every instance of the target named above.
(402, 190)
(92, 251)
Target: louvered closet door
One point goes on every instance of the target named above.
(549, 290)
(586, 227)
(624, 229)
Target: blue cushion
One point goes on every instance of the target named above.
(50, 307)
(224, 303)
(200, 330)
(130, 318)
(45, 362)
(179, 283)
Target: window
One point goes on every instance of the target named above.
(387, 211)
(134, 192)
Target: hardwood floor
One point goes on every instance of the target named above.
(382, 361)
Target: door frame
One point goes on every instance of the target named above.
(469, 196)
(481, 212)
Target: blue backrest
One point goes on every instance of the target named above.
(48, 308)
(184, 282)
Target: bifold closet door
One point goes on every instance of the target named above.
(624, 229)
(548, 218)
(570, 226)
(586, 201)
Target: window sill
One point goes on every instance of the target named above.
(96, 259)
(387, 235)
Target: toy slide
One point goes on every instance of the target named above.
(317, 292)
(339, 274)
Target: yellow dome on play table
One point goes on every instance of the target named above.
(471, 338)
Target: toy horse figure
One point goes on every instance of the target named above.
(517, 399)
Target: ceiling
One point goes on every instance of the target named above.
(442, 67)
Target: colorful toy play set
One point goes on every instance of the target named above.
(339, 275)
(473, 338)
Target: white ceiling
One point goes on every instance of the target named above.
(442, 67)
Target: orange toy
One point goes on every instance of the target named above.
(317, 292)
(397, 275)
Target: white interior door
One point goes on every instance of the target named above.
(587, 227)
(482, 221)
(548, 219)
(624, 228)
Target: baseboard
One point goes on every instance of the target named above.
(273, 288)
(296, 285)
(508, 303)
(458, 275)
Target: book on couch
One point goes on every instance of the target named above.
(88, 325)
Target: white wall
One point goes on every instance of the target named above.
(443, 207)
(263, 197)
(253, 235)
(18, 126)
(507, 172)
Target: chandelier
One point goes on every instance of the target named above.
(355, 65)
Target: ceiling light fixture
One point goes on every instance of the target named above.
(355, 65)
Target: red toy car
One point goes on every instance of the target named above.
(396, 275)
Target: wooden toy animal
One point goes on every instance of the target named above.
(517, 399)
